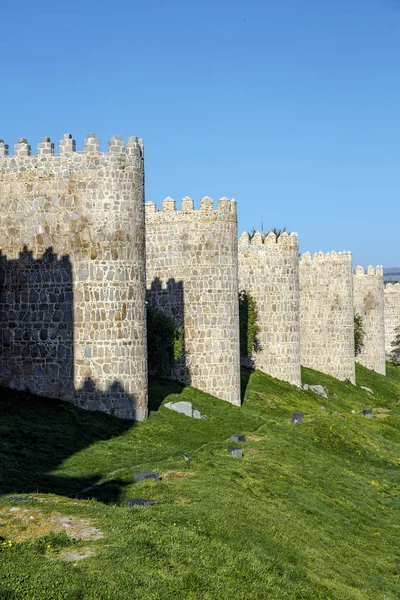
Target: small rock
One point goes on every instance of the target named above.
(196, 414)
(297, 417)
(398, 400)
(205, 416)
(322, 408)
(139, 502)
(367, 412)
(353, 412)
(238, 438)
(146, 475)
(317, 389)
(185, 408)
(235, 451)
(366, 389)
(21, 499)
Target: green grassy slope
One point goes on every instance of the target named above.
(310, 512)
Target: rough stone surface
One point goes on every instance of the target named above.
(192, 275)
(317, 389)
(235, 451)
(182, 407)
(367, 389)
(269, 271)
(131, 502)
(392, 315)
(367, 412)
(369, 304)
(72, 274)
(142, 475)
(297, 417)
(238, 438)
(327, 314)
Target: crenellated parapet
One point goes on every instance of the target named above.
(225, 210)
(327, 313)
(369, 304)
(86, 206)
(47, 160)
(198, 250)
(269, 271)
(392, 315)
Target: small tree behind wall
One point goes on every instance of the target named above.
(395, 352)
(249, 328)
(359, 333)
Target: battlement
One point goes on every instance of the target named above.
(226, 210)
(271, 239)
(371, 271)
(392, 288)
(329, 257)
(23, 158)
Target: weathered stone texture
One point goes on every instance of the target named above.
(192, 275)
(72, 287)
(392, 314)
(327, 314)
(369, 304)
(269, 271)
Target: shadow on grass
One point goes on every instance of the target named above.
(37, 434)
(245, 374)
(159, 389)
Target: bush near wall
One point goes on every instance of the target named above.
(164, 342)
(249, 328)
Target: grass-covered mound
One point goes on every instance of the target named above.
(310, 512)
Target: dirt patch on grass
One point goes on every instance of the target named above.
(176, 474)
(182, 501)
(74, 556)
(378, 411)
(19, 523)
(255, 438)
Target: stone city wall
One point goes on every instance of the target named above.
(369, 304)
(192, 275)
(72, 273)
(269, 271)
(392, 314)
(327, 314)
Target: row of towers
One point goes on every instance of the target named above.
(82, 255)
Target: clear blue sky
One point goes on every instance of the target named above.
(289, 106)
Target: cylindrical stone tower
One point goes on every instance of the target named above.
(192, 275)
(72, 285)
(392, 315)
(269, 271)
(327, 314)
(369, 304)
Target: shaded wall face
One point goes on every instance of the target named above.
(392, 315)
(198, 249)
(87, 208)
(269, 271)
(327, 314)
(36, 321)
(369, 303)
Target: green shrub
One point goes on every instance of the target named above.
(249, 328)
(395, 352)
(165, 343)
(359, 334)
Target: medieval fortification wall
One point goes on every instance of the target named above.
(269, 271)
(392, 314)
(369, 303)
(192, 275)
(72, 273)
(327, 314)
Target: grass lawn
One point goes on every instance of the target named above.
(311, 511)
